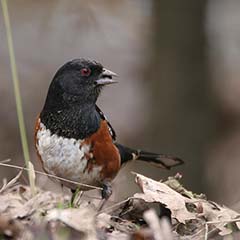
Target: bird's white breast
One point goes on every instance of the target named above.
(66, 157)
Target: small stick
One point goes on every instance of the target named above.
(50, 175)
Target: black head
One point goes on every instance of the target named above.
(78, 81)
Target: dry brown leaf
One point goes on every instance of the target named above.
(219, 216)
(38, 202)
(103, 220)
(17, 202)
(82, 220)
(154, 191)
(117, 235)
(204, 211)
(9, 202)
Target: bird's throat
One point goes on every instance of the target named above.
(76, 122)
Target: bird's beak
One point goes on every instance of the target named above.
(106, 77)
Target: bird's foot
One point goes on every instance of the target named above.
(107, 190)
(106, 193)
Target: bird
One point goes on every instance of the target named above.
(74, 140)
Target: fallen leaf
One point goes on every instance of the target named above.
(173, 183)
(198, 208)
(219, 216)
(103, 220)
(154, 191)
(82, 220)
(117, 235)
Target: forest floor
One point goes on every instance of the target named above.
(163, 210)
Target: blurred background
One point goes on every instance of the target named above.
(178, 91)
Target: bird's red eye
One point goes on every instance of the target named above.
(85, 72)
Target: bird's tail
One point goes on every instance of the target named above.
(159, 160)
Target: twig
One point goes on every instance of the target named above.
(206, 232)
(11, 182)
(5, 161)
(50, 175)
(115, 205)
(224, 221)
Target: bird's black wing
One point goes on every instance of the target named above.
(128, 154)
(102, 115)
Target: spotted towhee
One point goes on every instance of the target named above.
(73, 138)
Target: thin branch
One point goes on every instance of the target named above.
(115, 205)
(50, 175)
(11, 182)
(224, 221)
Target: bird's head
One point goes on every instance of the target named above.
(80, 81)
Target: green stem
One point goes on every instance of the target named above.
(16, 84)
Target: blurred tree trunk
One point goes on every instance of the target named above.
(183, 120)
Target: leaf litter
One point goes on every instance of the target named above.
(163, 210)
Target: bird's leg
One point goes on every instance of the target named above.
(106, 193)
